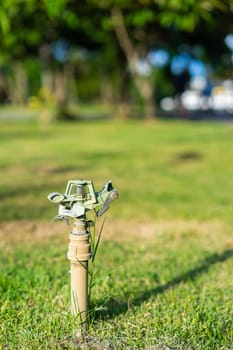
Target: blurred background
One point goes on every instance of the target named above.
(133, 58)
(114, 90)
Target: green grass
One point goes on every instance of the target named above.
(164, 171)
(165, 261)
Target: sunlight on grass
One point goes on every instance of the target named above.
(165, 259)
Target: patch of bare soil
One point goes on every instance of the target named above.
(117, 230)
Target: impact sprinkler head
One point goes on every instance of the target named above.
(80, 196)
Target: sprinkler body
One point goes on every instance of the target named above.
(79, 198)
(79, 252)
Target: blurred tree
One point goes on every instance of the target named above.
(27, 32)
(20, 34)
(134, 27)
(139, 25)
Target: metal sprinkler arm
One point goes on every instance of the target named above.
(107, 198)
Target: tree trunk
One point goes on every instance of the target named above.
(143, 85)
(107, 95)
(4, 90)
(47, 79)
(147, 92)
(19, 85)
(60, 84)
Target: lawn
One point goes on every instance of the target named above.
(165, 260)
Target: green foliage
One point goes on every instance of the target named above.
(55, 7)
(20, 25)
(5, 26)
(140, 18)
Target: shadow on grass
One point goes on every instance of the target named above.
(116, 307)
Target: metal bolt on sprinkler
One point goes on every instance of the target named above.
(80, 197)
